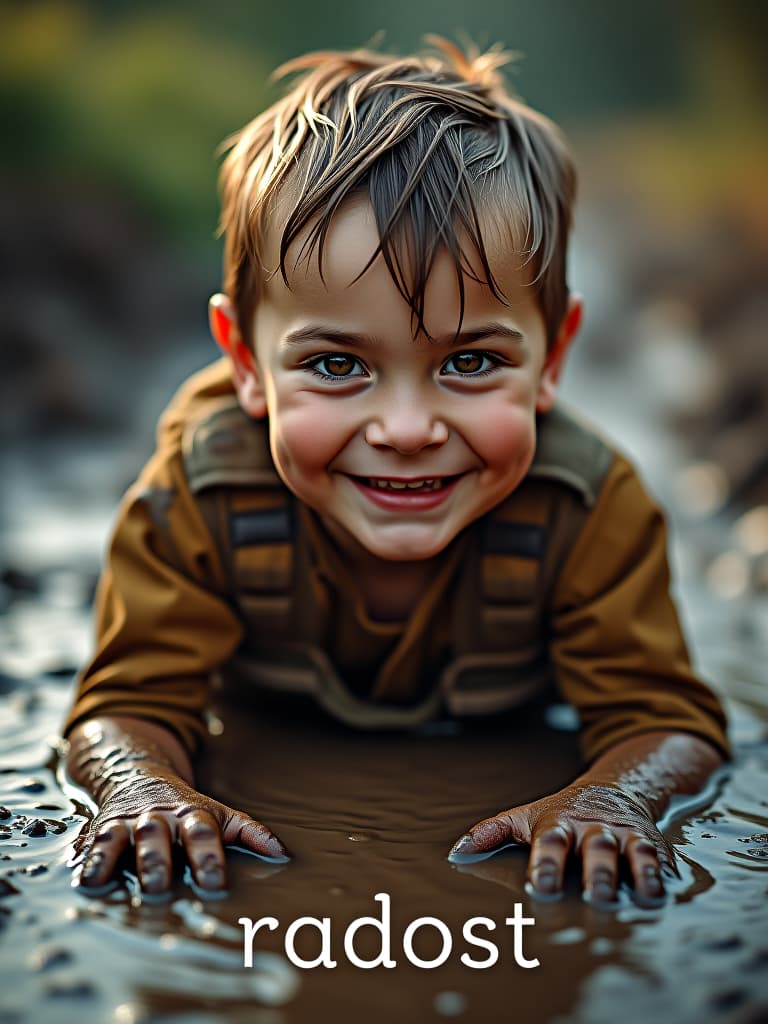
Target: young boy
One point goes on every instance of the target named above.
(373, 498)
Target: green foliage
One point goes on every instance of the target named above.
(140, 106)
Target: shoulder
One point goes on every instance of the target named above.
(204, 432)
(573, 453)
(195, 399)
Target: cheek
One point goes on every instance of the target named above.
(507, 436)
(306, 440)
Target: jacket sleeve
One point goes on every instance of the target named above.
(619, 654)
(162, 621)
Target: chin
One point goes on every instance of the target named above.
(413, 551)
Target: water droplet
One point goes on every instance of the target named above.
(752, 530)
(450, 1004)
(728, 574)
(703, 488)
(568, 936)
(128, 1013)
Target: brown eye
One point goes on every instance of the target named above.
(339, 366)
(468, 362)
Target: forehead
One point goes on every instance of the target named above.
(353, 238)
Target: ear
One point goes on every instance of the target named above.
(555, 361)
(245, 372)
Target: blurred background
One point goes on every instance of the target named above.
(111, 115)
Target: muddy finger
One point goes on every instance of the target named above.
(103, 853)
(549, 851)
(600, 858)
(152, 839)
(200, 837)
(643, 858)
(243, 831)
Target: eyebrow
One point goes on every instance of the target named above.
(313, 332)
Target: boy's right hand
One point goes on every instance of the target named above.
(148, 805)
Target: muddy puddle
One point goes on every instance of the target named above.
(366, 816)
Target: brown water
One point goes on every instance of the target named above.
(366, 815)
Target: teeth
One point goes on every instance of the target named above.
(402, 485)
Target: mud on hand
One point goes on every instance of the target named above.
(152, 814)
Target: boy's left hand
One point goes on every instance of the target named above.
(598, 822)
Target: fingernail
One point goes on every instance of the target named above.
(91, 867)
(544, 881)
(464, 845)
(155, 881)
(213, 879)
(601, 891)
(276, 848)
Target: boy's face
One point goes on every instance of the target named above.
(357, 406)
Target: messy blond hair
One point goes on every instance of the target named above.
(433, 141)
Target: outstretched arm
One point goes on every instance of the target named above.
(141, 778)
(608, 812)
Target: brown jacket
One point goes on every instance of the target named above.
(168, 616)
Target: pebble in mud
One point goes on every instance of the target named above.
(35, 828)
(720, 943)
(6, 889)
(728, 1000)
(69, 988)
(31, 786)
(47, 957)
(33, 870)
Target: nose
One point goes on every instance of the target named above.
(406, 424)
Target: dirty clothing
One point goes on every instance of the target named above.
(170, 612)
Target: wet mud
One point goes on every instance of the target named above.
(364, 815)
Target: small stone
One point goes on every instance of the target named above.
(4, 813)
(728, 1000)
(73, 988)
(36, 869)
(6, 889)
(47, 957)
(54, 827)
(31, 786)
(758, 963)
(721, 943)
(35, 828)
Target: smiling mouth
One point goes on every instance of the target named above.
(424, 484)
